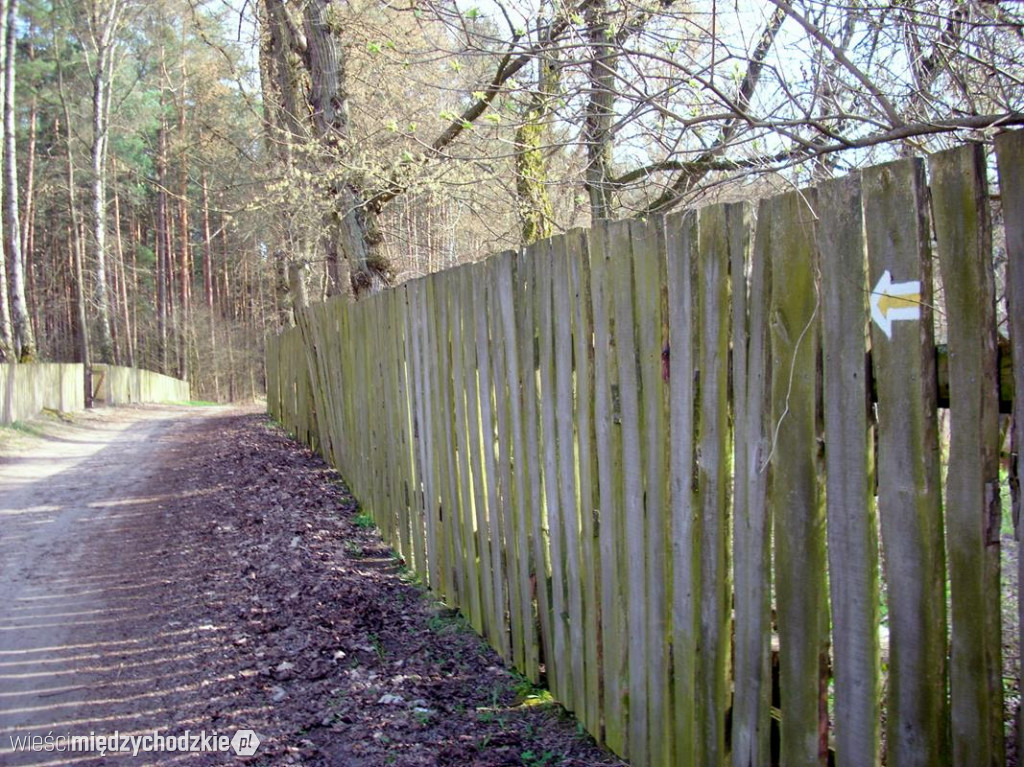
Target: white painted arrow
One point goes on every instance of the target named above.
(892, 301)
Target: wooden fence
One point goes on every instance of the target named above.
(27, 390)
(664, 462)
(116, 385)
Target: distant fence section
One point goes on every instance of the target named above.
(662, 461)
(27, 390)
(115, 385)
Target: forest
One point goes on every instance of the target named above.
(180, 175)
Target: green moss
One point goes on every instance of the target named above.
(535, 211)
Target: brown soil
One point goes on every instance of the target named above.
(180, 569)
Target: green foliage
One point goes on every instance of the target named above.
(533, 759)
(363, 521)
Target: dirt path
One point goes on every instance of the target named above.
(191, 570)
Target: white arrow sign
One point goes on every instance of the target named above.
(892, 301)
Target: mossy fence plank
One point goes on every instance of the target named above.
(852, 522)
(964, 242)
(1010, 150)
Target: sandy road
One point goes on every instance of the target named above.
(65, 499)
(180, 571)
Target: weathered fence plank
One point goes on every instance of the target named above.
(492, 542)
(512, 624)
(685, 549)
(441, 441)
(752, 684)
(526, 322)
(909, 503)
(712, 285)
(614, 637)
(552, 512)
(1010, 150)
(583, 354)
(568, 523)
(524, 633)
(649, 300)
(852, 524)
(422, 486)
(796, 496)
(630, 398)
(467, 502)
(468, 299)
(963, 235)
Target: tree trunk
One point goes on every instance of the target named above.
(76, 240)
(185, 279)
(7, 351)
(122, 280)
(208, 287)
(28, 221)
(24, 341)
(160, 237)
(103, 23)
(600, 114)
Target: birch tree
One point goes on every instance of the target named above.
(24, 339)
(7, 351)
(103, 21)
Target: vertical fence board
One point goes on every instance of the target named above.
(526, 320)
(463, 436)
(852, 525)
(422, 487)
(511, 618)
(442, 440)
(468, 299)
(909, 503)
(557, 656)
(796, 498)
(964, 242)
(1010, 150)
(583, 353)
(650, 298)
(630, 398)
(751, 533)
(493, 525)
(712, 470)
(685, 548)
(614, 638)
(569, 520)
(525, 632)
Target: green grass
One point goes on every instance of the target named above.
(363, 521)
(1006, 526)
(533, 759)
(22, 428)
(195, 403)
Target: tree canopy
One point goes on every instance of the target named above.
(180, 174)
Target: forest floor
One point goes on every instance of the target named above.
(191, 569)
